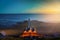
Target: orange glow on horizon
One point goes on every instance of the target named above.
(52, 18)
(51, 9)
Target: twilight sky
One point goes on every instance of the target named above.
(17, 6)
(49, 8)
(30, 6)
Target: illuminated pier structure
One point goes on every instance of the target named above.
(30, 33)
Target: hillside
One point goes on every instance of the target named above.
(41, 27)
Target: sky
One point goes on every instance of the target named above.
(16, 6)
(30, 6)
(49, 8)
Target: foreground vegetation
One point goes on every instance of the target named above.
(12, 38)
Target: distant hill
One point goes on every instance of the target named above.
(41, 27)
(6, 24)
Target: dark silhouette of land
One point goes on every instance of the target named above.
(48, 30)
